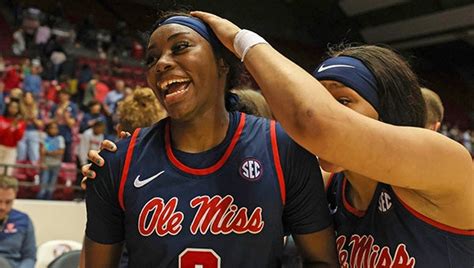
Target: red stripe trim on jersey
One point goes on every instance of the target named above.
(434, 223)
(211, 169)
(347, 205)
(126, 166)
(331, 177)
(276, 160)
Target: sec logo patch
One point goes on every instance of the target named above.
(251, 169)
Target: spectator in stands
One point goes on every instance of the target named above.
(114, 96)
(24, 38)
(25, 67)
(18, 46)
(57, 58)
(434, 109)
(95, 90)
(12, 78)
(17, 235)
(52, 151)
(32, 81)
(92, 116)
(29, 146)
(91, 140)
(65, 114)
(116, 66)
(12, 128)
(85, 75)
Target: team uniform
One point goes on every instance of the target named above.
(391, 234)
(17, 240)
(229, 206)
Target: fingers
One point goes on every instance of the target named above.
(83, 183)
(224, 29)
(87, 171)
(124, 135)
(94, 156)
(205, 16)
(108, 145)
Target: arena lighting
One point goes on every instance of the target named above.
(431, 24)
(357, 7)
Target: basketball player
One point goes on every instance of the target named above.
(403, 194)
(434, 109)
(204, 187)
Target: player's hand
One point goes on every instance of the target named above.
(223, 28)
(94, 156)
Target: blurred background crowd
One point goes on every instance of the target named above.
(65, 65)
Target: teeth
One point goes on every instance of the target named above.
(177, 92)
(165, 84)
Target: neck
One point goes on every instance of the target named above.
(200, 134)
(359, 190)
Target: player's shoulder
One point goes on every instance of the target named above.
(141, 138)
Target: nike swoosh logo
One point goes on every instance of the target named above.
(138, 183)
(323, 68)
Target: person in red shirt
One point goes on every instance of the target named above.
(12, 128)
(12, 78)
(101, 90)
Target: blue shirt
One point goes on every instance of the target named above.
(112, 98)
(64, 129)
(231, 204)
(17, 240)
(32, 83)
(52, 144)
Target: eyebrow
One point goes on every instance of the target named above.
(171, 37)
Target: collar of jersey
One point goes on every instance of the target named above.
(209, 170)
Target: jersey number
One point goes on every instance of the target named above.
(199, 258)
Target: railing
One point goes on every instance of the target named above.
(31, 178)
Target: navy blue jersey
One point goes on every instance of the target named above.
(226, 207)
(391, 234)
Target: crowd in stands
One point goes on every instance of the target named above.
(464, 137)
(55, 107)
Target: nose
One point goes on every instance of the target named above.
(164, 63)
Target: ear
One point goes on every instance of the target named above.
(437, 126)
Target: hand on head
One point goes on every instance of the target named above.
(223, 28)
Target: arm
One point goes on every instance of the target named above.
(70, 119)
(19, 129)
(60, 151)
(38, 123)
(312, 250)
(28, 248)
(406, 157)
(105, 226)
(306, 213)
(56, 152)
(101, 255)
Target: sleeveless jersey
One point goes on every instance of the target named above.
(391, 234)
(224, 211)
